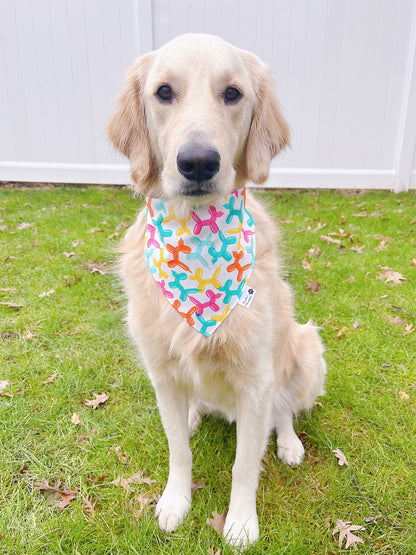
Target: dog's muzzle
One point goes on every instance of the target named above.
(198, 164)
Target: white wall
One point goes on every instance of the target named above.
(345, 73)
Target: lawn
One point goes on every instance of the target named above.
(351, 260)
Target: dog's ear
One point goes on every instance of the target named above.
(269, 131)
(127, 127)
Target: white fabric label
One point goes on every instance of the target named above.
(247, 297)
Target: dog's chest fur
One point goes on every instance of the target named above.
(212, 368)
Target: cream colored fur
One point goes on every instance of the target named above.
(259, 367)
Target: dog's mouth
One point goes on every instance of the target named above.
(198, 189)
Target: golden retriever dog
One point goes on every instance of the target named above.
(198, 118)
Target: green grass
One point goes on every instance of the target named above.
(78, 331)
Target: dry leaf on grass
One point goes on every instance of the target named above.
(90, 507)
(313, 286)
(341, 457)
(382, 246)
(75, 419)
(24, 225)
(217, 522)
(137, 478)
(395, 320)
(12, 305)
(341, 332)
(373, 518)
(3, 385)
(211, 551)
(58, 497)
(68, 254)
(315, 251)
(95, 267)
(345, 532)
(329, 239)
(408, 329)
(390, 275)
(47, 293)
(51, 378)
(122, 458)
(404, 396)
(199, 485)
(413, 262)
(99, 400)
(306, 265)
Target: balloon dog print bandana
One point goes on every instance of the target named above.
(202, 262)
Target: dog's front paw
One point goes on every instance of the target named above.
(291, 451)
(172, 509)
(240, 532)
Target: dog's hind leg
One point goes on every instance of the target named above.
(195, 414)
(304, 357)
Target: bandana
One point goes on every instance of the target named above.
(202, 262)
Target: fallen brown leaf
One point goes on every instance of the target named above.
(137, 478)
(341, 457)
(95, 267)
(199, 485)
(68, 254)
(413, 262)
(47, 293)
(382, 246)
(390, 275)
(313, 286)
(90, 507)
(395, 320)
(24, 225)
(99, 400)
(51, 378)
(75, 419)
(58, 497)
(315, 251)
(341, 332)
(122, 458)
(360, 250)
(3, 384)
(404, 396)
(345, 532)
(217, 522)
(329, 239)
(373, 518)
(409, 329)
(306, 265)
(12, 305)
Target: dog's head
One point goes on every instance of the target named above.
(198, 118)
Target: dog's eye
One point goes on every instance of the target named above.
(231, 95)
(164, 93)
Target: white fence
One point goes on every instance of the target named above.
(345, 73)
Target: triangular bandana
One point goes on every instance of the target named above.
(202, 262)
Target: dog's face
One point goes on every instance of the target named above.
(197, 118)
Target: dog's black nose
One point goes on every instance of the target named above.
(198, 163)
